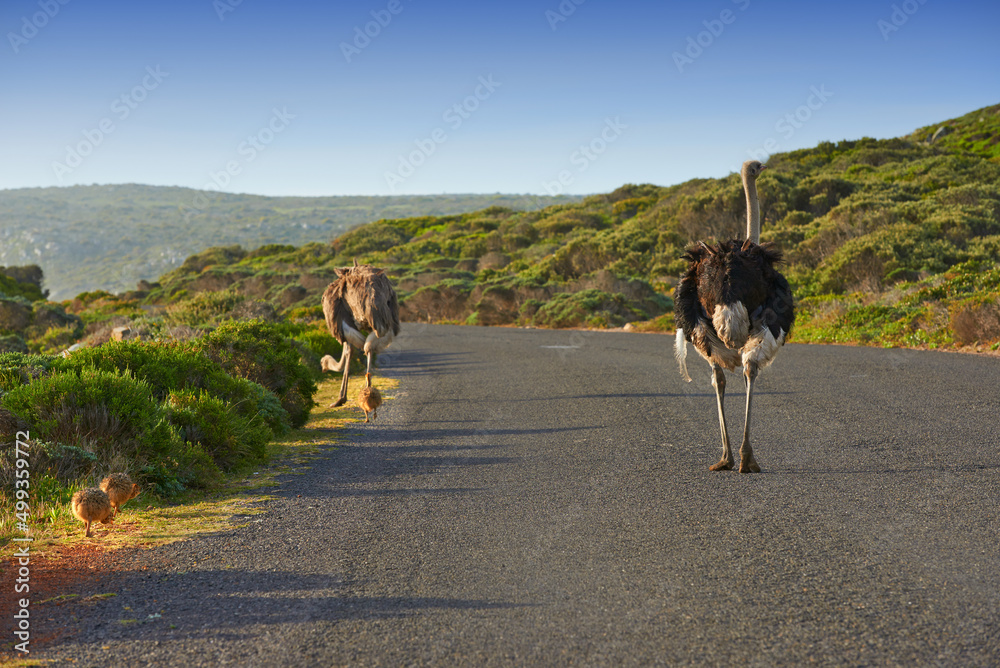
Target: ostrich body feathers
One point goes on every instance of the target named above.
(732, 304)
(119, 488)
(369, 399)
(362, 299)
(92, 505)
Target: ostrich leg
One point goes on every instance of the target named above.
(747, 462)
(345, 364)
(719, 382)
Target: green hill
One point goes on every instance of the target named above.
(976, 132)
(110, 237)
(888, 242)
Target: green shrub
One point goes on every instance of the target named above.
(319, 341)
(13, 343)
(370, 238)
(231, 440)
(592, 307)
(193, 468)
(18, 368)
(110, 414)
(223, 255)
(14, 288)
(55, 339)
(259, 403)
(173, 366)
(65, 463)
(259, 352)
(204, 308)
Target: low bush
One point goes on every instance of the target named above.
(13, 343)
(228, 438)
(110, 414)
(976, 320)
(204, 308)
(174, 366)
(371, 238)
(318, 340)
(63, 462)
(587, 307)
(168, 412)
(28, 289)
(260, 352)
(17, 368)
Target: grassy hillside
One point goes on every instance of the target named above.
(889, 242)
(976, 132)
(110, 237)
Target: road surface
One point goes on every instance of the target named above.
(543, 498)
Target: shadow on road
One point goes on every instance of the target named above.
(421, 362)
(454, 436)
(227, 604)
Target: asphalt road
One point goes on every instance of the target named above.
(543, 498)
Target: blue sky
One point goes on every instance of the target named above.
(293, 98)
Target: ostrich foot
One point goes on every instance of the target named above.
(722, 465)
(749, 465)
(339, 402)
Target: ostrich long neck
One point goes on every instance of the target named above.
(753, 209)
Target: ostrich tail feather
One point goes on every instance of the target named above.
(680, 352)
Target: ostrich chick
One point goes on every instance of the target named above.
(92, 505)
(369, 398)
(119, 488)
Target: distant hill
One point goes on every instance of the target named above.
(887, 242)
(894, 241)
(110, 237)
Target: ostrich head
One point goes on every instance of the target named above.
(751, 170)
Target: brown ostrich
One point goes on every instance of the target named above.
(361, 299)
(736, 309)
(369, 398)
(92, 505)
(119, 488)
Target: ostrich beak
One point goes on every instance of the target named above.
(763, 167)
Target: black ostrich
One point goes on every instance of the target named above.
(736, 309)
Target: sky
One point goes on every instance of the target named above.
(381, 97)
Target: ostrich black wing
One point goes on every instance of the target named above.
(779, 308)
(687, 308)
